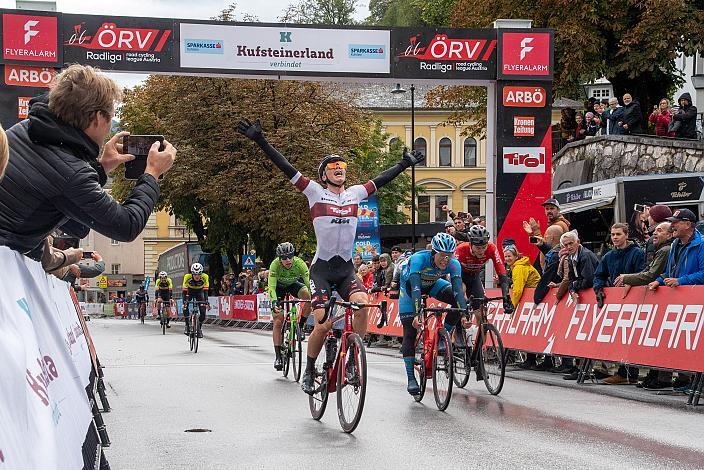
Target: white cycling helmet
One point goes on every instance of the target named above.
(162, 274)
(196, 268)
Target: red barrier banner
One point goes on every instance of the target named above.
(225, 307)
(659, 329)
(243, 307)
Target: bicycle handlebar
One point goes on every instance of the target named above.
(354, 306)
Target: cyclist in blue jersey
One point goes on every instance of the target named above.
(424, 274)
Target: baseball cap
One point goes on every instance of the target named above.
(551, 202)
(682, 214)
(396, 248)
(660, 213)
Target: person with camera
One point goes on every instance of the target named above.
(56, 168)
(661, 118)
(334, 213)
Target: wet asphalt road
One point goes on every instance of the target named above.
(158, 389)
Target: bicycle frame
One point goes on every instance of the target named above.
(430, 343)
(290, 315)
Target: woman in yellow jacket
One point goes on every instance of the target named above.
(522, 272)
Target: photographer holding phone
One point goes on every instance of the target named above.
(56, 169)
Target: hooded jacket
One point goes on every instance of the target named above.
(689, 266)
(628, 260)
(53, 177)
(523, 275)
(688, 117)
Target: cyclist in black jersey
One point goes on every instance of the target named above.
(334, 211)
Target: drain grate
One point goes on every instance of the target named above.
(198, 430)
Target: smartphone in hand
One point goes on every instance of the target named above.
(139, 145)
(87, 255)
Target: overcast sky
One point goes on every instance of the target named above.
(265, 10)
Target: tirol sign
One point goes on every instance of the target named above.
(444, 53)
(136, 44)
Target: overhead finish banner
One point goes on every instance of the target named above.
(283, 50)
(444, 54)
(119, 43)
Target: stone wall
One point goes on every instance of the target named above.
(607, 157)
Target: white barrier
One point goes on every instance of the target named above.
(44, 409)
(88, 308)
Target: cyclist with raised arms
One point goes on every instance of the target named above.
(195, 286)
(472, 256)
(334, 211)
(424, 274)
(288, 274)
(164, 287)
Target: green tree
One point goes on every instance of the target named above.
(633, 43)
(328, 12)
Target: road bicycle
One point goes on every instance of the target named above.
(433, 358)
(142, 311)
(292, 338)
(164, 314)
(345, 368)
(485, 352)
(194, 320)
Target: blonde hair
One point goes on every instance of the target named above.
(79, 92)
(4, 152)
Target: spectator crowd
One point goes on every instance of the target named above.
(611, 117)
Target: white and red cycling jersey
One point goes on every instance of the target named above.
(472, 264)
(334, 216)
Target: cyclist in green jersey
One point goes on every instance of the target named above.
(288, 274)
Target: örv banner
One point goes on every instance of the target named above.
(44, 408)
(659, 329)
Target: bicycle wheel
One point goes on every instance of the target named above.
(163, 321)
(492, 359)
(419, 366)
(142, 315)
(194, 332)
(286, 345)
(442, 370)
(351, 383)
(319, 400)
(297, 353)
(460, 359)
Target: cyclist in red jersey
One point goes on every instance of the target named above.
(472, 256)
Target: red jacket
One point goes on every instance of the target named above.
(368, 281)
(662, 121)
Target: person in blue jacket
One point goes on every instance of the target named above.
(685, 264)
(625, 258)
(425, 273)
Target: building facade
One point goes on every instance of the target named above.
(454, 172)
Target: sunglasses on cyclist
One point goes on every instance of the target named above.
(445, 256)
(285, 257)
(336, 165)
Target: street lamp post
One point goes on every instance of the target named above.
(396, 91)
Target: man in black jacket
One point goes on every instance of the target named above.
(632, 122)
(56, 171)
(687, 116)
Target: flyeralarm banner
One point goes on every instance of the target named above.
(525, 54)
(30, 37)
(119, 43)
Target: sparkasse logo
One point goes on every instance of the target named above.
(525, 53)
(524, 159)
(205, 46)
(366, 51)
(524, 96)
(30, 38)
